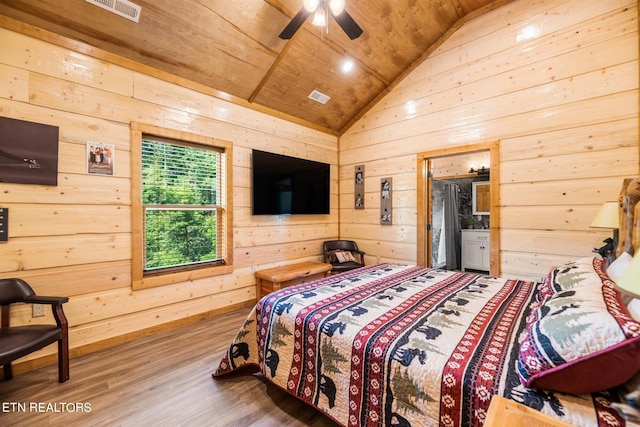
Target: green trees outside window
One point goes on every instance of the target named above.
(180, 196)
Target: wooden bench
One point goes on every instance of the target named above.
(274, 279)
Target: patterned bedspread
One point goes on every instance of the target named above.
(399, 345)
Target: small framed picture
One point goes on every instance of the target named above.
(359, 187)
(385, 201)
(100, 158)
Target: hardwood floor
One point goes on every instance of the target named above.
(161, 380)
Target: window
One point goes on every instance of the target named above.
(181, 219)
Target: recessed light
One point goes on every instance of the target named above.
(347, 65)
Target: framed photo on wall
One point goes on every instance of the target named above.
(100, 158)
(385, 201)
(359, 187)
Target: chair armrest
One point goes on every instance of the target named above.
(56, 307)
(38, 299)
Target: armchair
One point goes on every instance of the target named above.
(332, 247)
(18, 341)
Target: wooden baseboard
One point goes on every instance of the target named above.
(52, 359)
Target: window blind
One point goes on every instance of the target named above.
(182, 186)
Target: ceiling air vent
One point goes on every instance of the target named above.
(124, 8)
(319, 97)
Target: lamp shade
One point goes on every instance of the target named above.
(607, 217)
(310, 5)
(629, 282)
(319, 18)
(336, 6)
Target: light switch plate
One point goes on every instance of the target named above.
(4, 224)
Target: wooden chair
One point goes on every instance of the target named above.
(331, 246)
(18, 341)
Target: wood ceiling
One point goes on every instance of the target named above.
(232, 47)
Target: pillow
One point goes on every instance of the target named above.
(583, 271)
(332, 257)
(577, 335)
(344, 256)
(617, 268)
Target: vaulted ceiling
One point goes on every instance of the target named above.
(232, 47)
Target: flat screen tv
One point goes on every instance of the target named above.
(284, 185)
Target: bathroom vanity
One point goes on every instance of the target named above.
(475, 248)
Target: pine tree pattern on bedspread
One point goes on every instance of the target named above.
(399, 345)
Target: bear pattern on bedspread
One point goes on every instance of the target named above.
(398, 345)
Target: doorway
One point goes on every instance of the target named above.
(450, 211)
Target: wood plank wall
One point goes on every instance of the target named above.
(75, 239)
(556, 82)
(564, 105)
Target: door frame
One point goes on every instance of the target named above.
(424, 194)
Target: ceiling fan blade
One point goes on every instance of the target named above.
(295, 24)
(348, 24)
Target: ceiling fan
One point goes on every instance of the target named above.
(320, 9)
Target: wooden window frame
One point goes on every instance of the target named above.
(139, 279)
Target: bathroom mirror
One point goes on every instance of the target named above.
(481, 198)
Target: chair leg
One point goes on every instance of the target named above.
(63, 359)
(8, 374)
(63, 343)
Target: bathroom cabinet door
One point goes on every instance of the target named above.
(475, 250)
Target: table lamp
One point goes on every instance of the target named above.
(608, 217)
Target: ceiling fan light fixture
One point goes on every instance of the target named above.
(319, 18)
(320, 11)
(336, 6)
(310, 5)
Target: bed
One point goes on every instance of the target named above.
(402, 345)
